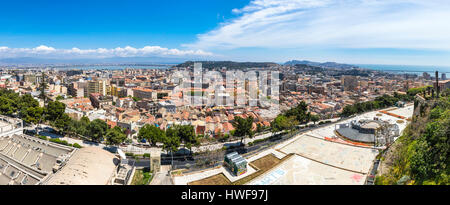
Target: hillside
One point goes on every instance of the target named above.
(322, 65)
(421, 155)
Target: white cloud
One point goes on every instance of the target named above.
(44, 49)
(128, 51)
(405, 24)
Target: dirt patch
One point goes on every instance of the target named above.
(266, 162)
(219, 179)
(262, 165)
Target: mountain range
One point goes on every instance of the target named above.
(323, 65)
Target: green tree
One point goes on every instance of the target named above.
(243, 127)
(54, 110)
(315, 118)
(63, 122)
(26, 101)
(187, 135)
(259, 128)
(115, 136)
(152, 134)
(300, 112)
(42, 86)
(97, 130)
(171, 141)
(32, 114)
(59, 98)
(282, 122)
(7, 106)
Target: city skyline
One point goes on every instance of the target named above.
(406, 32)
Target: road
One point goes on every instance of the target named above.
(141, 150)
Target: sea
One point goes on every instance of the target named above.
(410, 69)
(397, 69)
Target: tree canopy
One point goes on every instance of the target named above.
(300, 112)
(243, 127)
(172, 141)
(152, 134)
(97, 129)
(115, 136)
(282, 122)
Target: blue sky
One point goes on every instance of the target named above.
(350, 31)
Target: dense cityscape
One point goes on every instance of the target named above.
(143, 113)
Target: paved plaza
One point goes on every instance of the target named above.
(357, 159)
(301, 171)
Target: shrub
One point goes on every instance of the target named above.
(76, 145)
(146, 155)
(129, 154)
(43, 137)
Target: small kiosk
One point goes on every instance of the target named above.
(236, 163)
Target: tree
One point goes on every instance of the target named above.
(171, 141)
(62, 122)
(187, 135)
(97, 130)
(282, 122)
(243, 127)
(59, 98)
(115, 136)
(42, 86)
(7, 106)
(26, 101)
(54, 110)
(136, 99)
(300, 112)
(32, 114)
(315, 118)
(152, 134)
(259, 128)
(80, 126)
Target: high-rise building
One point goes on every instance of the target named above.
(96, 86)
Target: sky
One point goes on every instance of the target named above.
(408, 32)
